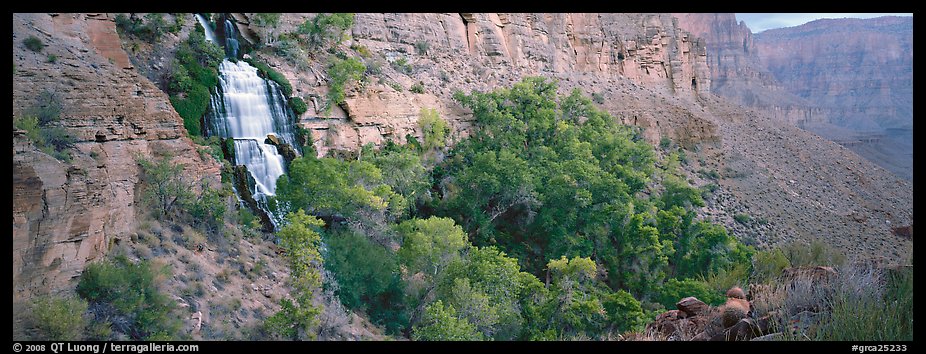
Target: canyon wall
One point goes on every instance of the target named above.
(737, 72)
(66, 214)
(614, 56)
(859, 70)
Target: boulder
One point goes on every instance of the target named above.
(272, 140)
(745, 329)
(692, 306)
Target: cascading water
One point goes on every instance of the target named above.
(210, 34)
(231, 40)
(248, 109)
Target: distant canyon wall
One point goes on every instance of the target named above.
(859, 70)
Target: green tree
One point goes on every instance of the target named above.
(485, 286)
(301, 240)
(368, 277)
(325, 28)
(443, 323)
(327, 187)
(403, 171)
(429, 245)
(433, 129)
(624, 312)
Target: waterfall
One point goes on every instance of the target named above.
(210, 34)
(248, 108)
(231, 39)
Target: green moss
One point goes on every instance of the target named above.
(192, 108)
(271, 74)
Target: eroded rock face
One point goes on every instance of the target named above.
(635, 62)
(737, 71)
(861, 70)
(68, 214)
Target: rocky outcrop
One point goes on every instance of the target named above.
(696, 321)
(67, 214)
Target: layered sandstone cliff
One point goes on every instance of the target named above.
(737, 71)
(630, 60)
(860, 71)
(67, 214)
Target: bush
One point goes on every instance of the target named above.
(817, 253)
(343, 72)
(149, 30)
(675, 289)
(768, 265)
(433, 128)
(52, 140)
(52, 58)
(324, 28)
(598, 98)
(130, 291)
(362, 50)
(422, 46)
(59, 318)
(193, 74)
(664, 142)
(417, 88)
(742, 218)
(33, 43)
(298, 105)
(402, 65)
(863, 310)
(267, 19)
(47, 107)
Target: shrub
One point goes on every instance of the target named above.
(130, 291)
(417, 88)
(362, 50)
(767, 265)
(342, 72)
(33, 43)
(52, 58)
(52, 140)
(59, 318)
(675, 289)
(433, 128)
(267, 19)
(422, 46)
(193, 74)
(816, 253)
(298, 105)
(47, 107)
(598, 98)
(325, 28)
(402, 65)
(742, 218)
(664, 142)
